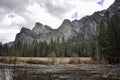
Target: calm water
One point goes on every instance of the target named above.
(45, 72)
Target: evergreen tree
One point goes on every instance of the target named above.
(0, 48)
(103, 40)
(109, 40)
(5, 49)
(114, 39)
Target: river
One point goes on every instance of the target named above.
(52, 72)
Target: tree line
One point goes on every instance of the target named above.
(53, 49)
(57, 49)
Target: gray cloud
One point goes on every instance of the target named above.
(16, 6)
(19, 7)
(13, 5)
(57, 10)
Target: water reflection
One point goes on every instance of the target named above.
(6, 74)
(44, 72)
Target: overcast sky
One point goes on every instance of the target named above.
(15, 14)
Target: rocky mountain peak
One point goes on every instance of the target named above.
(65, 22)
(38, 24)
(24, 30)
(41, 29)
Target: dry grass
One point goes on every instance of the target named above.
(47, 60)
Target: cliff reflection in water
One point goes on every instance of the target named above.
(45, 72)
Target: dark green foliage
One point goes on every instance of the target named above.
(114, 39)
(5, 50)
(109, 40)
(103, 40)
(1, 48)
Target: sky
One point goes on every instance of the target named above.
(15, 14)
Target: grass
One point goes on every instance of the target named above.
(47, 60)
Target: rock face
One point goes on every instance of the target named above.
(41, 29)
(26, 36)
(115, 8)
(73, 31)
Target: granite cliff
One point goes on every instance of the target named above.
(72, 31)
